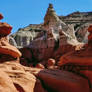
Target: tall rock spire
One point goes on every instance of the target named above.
(51, 18)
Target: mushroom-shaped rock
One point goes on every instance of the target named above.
(5, 29)
(1, 16)
(6, 48)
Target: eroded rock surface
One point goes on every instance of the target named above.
(83, 56)
(56, 39)
(63, 81)
(7, 51)
(80, 61)
(50, 39)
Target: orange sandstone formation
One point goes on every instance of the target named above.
(80, 61)
(80, 57)
(5, 29)
(18, 78)
(7, 51)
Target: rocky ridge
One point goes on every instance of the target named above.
(49, 39)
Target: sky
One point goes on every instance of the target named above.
(21, 13)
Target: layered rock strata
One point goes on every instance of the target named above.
(51, 39)
(15, 77)
(80, 61)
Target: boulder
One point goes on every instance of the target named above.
(5, 29)
(63, 81)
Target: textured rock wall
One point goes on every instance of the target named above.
(15, 77)
(49, 39)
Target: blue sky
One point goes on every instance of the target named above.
(20, 13)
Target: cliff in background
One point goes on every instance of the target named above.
(51, 39)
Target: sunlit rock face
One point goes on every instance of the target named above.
(15, 77)
(23, 37)
(47, 40)
(77, 18)
(81, 21)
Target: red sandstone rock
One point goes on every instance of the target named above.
(39, 65)
(26, 53)
(81, 57)
(5, 29)
(6, 48)
(63, 81)
(90, 29)
(1, 16)
(51, 62)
